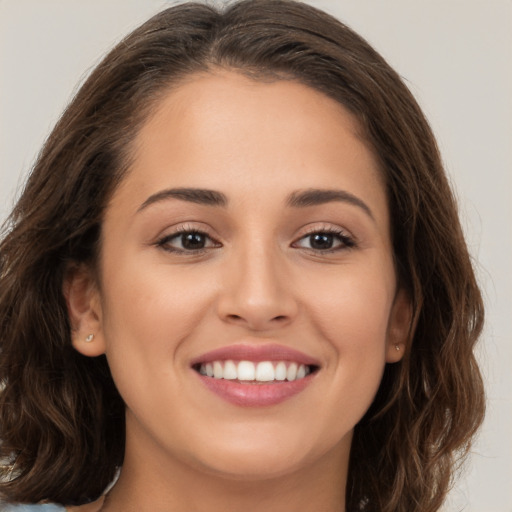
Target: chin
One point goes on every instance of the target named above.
(257, 468)
(264, 458)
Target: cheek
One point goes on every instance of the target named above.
(351, 318)
(353, 309)
(150, 298)
(149, 310)
(147, 317)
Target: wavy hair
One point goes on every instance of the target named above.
(61, 417)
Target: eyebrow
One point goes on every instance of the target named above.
(298, 199)
(192, 195)
(314, 197)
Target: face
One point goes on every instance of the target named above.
(251, 239)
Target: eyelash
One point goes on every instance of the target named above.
(347, 242)
(180, 232)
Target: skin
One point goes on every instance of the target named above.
(257, 281)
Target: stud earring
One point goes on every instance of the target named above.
(397, 348)
(89, 338)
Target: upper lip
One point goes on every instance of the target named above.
(256, 352)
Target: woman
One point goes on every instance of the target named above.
(237, 267)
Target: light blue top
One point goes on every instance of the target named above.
(32, 508)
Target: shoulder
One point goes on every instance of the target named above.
(32, 508)
(49, 507)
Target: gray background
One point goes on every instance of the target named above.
(455, 55)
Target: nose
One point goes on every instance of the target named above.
(257, 292)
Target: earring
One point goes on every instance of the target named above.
(89, 338)
(397, 347)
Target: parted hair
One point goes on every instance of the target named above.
(61, 417)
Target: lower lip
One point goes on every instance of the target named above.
(255, 395)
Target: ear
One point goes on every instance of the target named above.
(399, 327)
(84, 310)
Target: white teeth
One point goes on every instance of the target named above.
(230, 370)
(264, 371)
(217, 370)
(246, 370)
(280, 371)
(291, 373)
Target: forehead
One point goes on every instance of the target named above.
(226, 106)
(224, 131)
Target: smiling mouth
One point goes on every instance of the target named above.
(249, 372)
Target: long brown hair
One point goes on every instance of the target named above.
(61, 418)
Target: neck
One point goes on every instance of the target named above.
(155, 482)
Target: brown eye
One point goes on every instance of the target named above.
(187, 241)
(321, 241)
(192, 241)
(325, 241)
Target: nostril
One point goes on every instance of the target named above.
(257, 320)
